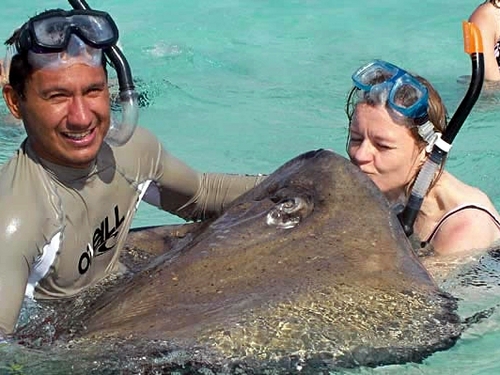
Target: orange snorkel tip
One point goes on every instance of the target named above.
(473, 42)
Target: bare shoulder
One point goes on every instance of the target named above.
(470, 218)
(474, 196)
(459, 193)
(467, 229)
(482, 12)
(485, 18)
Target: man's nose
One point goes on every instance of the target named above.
(79, 113)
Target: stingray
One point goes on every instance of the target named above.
(308, 271)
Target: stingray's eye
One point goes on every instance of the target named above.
(288, 213)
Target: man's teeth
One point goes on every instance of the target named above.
(77, 135)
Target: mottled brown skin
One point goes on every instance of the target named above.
(343, 281)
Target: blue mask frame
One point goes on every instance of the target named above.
(380, 74)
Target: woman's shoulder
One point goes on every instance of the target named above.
(456, 192)
(472, 227)
(485, 16)
(466, 217)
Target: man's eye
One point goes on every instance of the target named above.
(96, 90)
(57, 95)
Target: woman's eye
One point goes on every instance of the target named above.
(355, 140)
(383, 146)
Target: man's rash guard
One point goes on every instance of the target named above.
(61, 229)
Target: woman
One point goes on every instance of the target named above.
(394, 119)
(487, 18)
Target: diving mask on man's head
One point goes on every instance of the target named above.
(384, 82)
(58, 38)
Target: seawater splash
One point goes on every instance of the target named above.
(476, 284)
(166, 50)
(35, 314)
(23, 355)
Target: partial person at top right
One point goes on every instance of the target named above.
(487, 18)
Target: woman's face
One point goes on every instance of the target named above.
(385, 150)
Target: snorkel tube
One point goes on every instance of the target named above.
(474, 47)
(119, 132)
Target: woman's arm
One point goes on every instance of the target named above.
(484, 18)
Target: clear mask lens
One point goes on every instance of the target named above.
(374, 73)
(54, 31)
(409, 97)
(385, 82)
(77, 52)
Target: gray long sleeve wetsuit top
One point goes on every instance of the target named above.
(61, 229)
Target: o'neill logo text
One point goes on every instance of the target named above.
(104, 239)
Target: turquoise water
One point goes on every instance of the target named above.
(242, 86)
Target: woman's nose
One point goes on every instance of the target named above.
(361, 153)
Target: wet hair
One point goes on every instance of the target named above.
(437, 113)
(20, 69)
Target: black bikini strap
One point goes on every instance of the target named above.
(468, 206)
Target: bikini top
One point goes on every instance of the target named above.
(458, 209)
(496, 48)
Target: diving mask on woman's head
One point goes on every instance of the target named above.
(60, 37)
(384, 82)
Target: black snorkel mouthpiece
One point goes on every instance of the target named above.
(473, 46)
(119, 132)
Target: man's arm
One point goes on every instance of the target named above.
(487, 24)
(197, 196)
(179, 189)
(14, 270)
(12, 287)
(176, 187)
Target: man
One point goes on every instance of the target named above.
(68, 196)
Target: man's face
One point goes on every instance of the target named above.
(66, 113)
